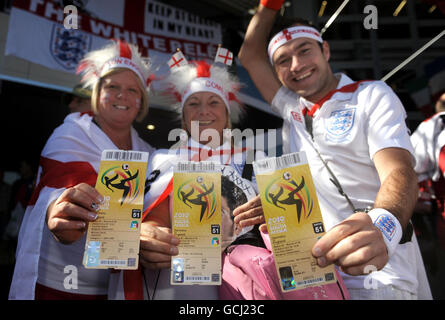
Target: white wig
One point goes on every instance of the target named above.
(178, 83)
(118, 54)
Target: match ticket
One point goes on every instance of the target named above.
(196, 221)
(293, 220)
(113, 239)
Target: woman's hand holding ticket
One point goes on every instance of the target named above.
(68, 216)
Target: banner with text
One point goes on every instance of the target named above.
(38, 33)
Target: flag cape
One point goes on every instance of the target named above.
(71, 156)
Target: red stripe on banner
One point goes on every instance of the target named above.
(134, 15)
(133, 284)
(56, 174)
(348, 88)
(161, 198)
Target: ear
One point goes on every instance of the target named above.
(326, 50)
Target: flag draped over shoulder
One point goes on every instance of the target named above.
(71, 156)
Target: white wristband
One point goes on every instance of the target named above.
(389, 226)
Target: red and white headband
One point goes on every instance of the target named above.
(205, 84)
(122, 62)
(289, 34)
(119, 54)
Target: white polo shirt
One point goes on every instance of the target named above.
(357, 121)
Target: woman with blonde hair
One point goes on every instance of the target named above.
(53, 234)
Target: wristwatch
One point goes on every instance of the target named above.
(407, 234)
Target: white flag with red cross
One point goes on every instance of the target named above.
(224, 55)
(177, 60)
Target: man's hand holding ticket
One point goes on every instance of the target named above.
(293, 218)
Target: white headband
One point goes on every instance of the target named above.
(120, 62)
(289, 34)
(206, 85)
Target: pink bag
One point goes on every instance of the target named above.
(249, 273)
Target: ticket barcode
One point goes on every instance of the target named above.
(131, 262)
(192, 166)
(197, 278)
(309, 281)
(112, 262)
(285, 161)
(123, 155)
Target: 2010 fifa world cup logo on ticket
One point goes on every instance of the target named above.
(113, 239)
(293, 218)
(196, 221)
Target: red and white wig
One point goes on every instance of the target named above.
(186, 79)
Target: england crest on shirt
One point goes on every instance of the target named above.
(340, 123)
(68, 46)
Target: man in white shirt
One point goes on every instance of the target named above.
(359, 153)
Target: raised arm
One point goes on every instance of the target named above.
(253, 53)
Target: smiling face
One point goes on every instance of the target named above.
(210, 111)
(302, 66)
(120, 99)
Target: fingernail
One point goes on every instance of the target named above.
(321, 261)
(82, 225)
(100, 199)
(92, 216)
(95, 206)
(174, 251)
(317, 252)
(174, 241)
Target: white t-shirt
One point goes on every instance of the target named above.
(356, 122)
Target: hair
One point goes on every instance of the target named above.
(233, 194)
(95, 95)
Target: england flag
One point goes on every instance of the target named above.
(177, 60)
(224, 56)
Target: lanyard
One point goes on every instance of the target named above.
(308, 123)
